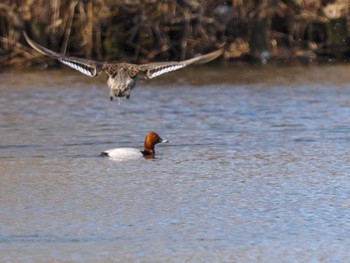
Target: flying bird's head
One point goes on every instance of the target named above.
(118, 90)
(120, 84)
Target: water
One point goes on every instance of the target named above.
(257, 168)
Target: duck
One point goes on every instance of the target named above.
(148, 152)
(122, 77)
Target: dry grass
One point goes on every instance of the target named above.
(148, 30)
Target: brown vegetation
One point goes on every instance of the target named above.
(148, 30)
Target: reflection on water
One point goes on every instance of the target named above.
(256, 168)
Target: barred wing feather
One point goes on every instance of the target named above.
(153, 70)
(156, 69)
(88, 67)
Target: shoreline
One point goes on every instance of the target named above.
(146, 31)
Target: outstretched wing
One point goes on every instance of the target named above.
(156, 69)
(88, 67)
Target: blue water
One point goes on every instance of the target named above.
(257, 168)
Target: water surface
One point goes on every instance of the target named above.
(257, 168)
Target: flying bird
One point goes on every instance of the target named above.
(122, 77)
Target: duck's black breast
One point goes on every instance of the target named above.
(104, 154)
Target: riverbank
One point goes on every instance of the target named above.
(143, 31)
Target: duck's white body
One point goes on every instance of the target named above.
(123, 153)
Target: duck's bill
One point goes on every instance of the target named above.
(163, 141)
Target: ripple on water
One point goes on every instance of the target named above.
(256, 168)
